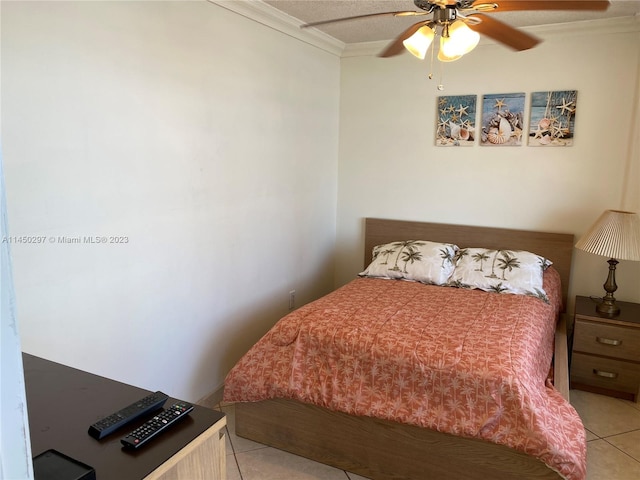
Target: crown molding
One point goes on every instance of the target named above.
(604, 26)
(266, 15)
(591, 27)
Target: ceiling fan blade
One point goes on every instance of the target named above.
(502, 32)
(507, 6)
(396, 47)
(408, 13)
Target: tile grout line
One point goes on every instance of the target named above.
(233, 452)
(598, 437)
(233, 449)
(622, 451)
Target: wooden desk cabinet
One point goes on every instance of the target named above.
(62, 403)
(606, 351)
(203, 458)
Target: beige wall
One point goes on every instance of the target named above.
(223, 148)
(390, 168)
(209, 140)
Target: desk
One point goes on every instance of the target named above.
(62, 403)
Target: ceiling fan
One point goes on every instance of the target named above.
(460, 23)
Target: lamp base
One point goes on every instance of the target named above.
(608, 308)
(608, 305)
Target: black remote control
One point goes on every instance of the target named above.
(156, 425)
(109, 424)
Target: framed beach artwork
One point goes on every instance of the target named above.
(456, 120)
(502, 119)
(552, 119)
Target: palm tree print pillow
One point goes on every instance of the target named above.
(500, 271)
(416, 260)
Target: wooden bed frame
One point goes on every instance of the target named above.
(384, 450)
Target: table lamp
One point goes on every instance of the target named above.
(616, 234)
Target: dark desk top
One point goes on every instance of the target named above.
(62, 403)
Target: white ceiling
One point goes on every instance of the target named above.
(388, 27)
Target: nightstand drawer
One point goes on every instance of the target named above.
(605, 373)
(608, 340)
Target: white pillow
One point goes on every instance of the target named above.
(500, 271)
(417, 260)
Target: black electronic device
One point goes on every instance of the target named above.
(53, 465)
(107, 425)
(156, 425)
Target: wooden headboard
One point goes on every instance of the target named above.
(557, 247)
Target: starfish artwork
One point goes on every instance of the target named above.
(499, 104)
(552, 119)
(502, 119)
(456, 121)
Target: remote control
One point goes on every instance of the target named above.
(156, 425)
(109, 424)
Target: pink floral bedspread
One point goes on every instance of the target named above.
(466, 362)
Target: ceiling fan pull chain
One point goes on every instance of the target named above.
(431, 61)
(441, 85)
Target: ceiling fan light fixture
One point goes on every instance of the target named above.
(419, 42)
(459, 41)
(443, 54)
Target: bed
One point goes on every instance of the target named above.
(393, 440)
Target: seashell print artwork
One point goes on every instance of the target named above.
(551, 122)
(502, 119)
(455, 119)
(500, 134)
(544, 123)
(552, 118)
(454, 130)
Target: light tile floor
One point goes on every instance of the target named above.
(613, 447)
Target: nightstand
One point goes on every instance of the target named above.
(606, 351)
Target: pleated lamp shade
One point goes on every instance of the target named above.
(616, 234)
